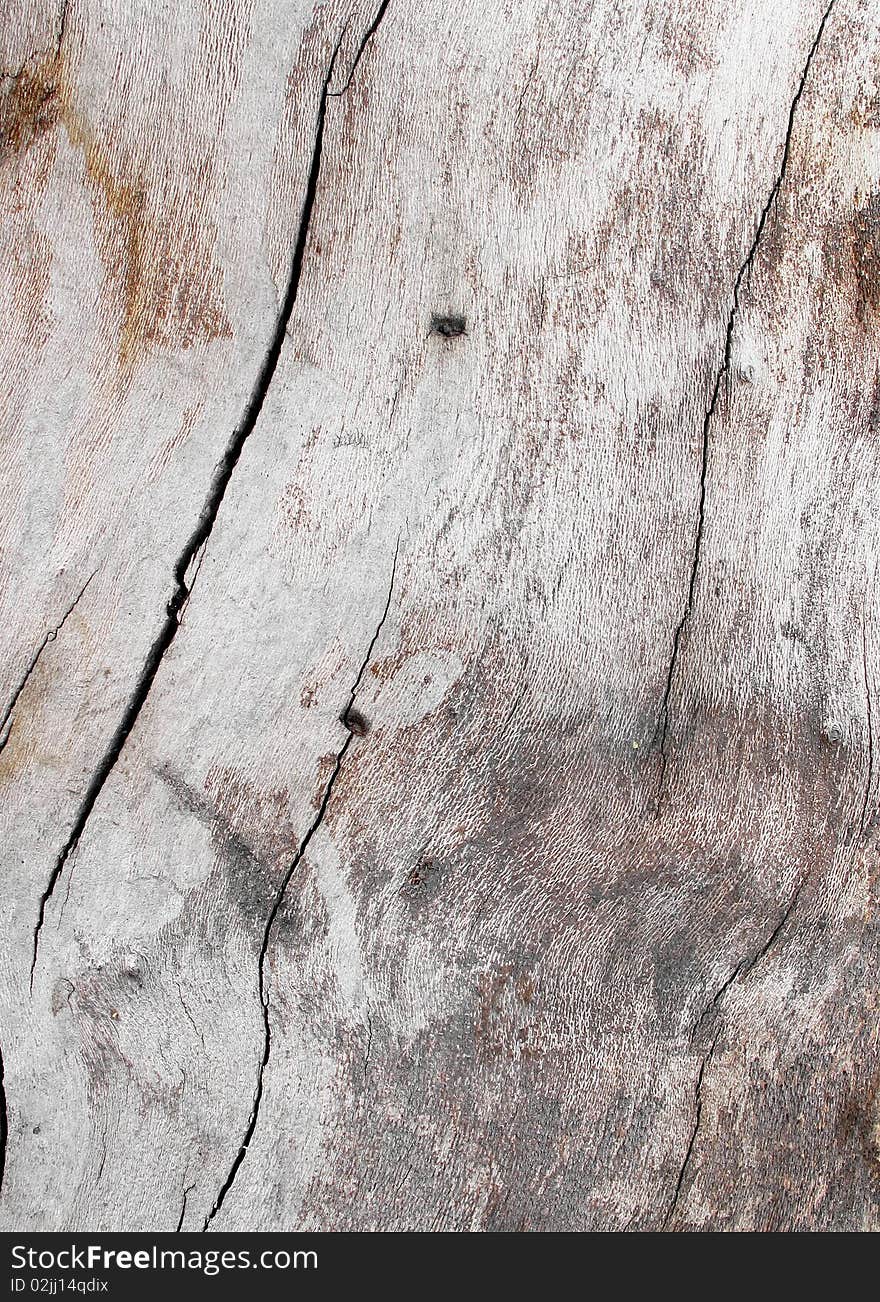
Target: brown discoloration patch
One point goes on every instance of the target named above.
(250, 808)
(866, 256)
(385, 667)
(294, 509)
(501, 1007)
(423, 880)
(157, 246)
(29, 107)
(20, 751)
(157, 254)
(27, 744)
(688, 42)
(326, 765)
(491, 987)
(859, 1121)
(865, 111)
(251, 833)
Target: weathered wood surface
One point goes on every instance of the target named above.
(582, 933)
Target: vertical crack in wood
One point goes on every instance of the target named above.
(368, 1048)
(662, 730)
(4, 1121)
(186, 1193)
(202, 532)
(61, 26)
(742, 969)
(273, 914)
(188, 1014)
(5, 732)
(869, 776)
(375, 638)
(103, 1161)
(695, 1130)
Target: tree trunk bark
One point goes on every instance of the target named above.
(439, 636)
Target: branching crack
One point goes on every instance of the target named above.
(748, 964)
(5, 731)
(186, 1193)
(202, 532)
(368, 36)
(276, 906)
(662, 730)
(695, 1130)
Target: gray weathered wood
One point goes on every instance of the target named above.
(581, 934)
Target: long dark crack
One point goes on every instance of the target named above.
(202, 532)
(4, 1121)
(695, 1130)
(368, 36)
(748, 964)
(61, 26)
(742, 969)
(662, 730)
(869, 776)
(276, 906)
(182, 1217)
(5, 732)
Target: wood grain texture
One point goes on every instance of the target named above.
(437, 770)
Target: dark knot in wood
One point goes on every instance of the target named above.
(450, 327)
(355, 723)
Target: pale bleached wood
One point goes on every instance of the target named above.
(583, 932)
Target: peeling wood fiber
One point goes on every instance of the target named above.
(438, 634)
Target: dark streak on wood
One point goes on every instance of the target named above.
(202, 532)
(720, 376)
(280, 894)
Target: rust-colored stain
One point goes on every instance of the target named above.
(501, 1027)
(386, 667)
(243, 807)
(326, 765)
(28, 109)
(156, 248)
